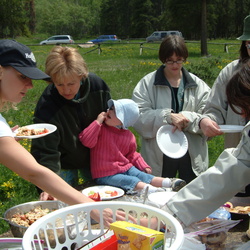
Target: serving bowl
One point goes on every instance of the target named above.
(68, 226)
(18, 230)
(239, 201)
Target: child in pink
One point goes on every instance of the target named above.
(114, 160)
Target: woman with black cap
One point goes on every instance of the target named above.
(17, 69)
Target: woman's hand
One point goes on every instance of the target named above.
(14, 128)
(46, 197)
(210, 128)
(179, 121)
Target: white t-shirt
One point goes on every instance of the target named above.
(5, 129)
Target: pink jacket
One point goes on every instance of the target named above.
(112, 150)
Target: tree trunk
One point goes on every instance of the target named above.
(204, 29)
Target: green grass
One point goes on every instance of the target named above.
(121, 66)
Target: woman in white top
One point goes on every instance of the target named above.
(17, 68)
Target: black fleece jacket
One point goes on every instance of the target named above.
(62, 149)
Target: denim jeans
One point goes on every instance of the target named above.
(127, 180)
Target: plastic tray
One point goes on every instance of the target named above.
(75, 237)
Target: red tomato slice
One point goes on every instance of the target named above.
(95, 197)
(44, 131)
(114, 193)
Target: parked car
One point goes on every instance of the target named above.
(105, 38)
(160, 35)
(59, 39)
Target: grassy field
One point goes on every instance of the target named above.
(121, 65)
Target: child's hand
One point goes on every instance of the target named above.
(148, 170)
(101, 117)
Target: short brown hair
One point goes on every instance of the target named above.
(170, 45)
(65, 61)
(238, 90)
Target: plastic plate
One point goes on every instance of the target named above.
(174, 145)
(50, 127)
(160, 198)
(231, 128)
(104, 192)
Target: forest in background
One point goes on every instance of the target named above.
(127, 19)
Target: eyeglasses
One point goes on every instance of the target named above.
(172, 62)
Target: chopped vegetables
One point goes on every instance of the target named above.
(24, 131)
(97, 196)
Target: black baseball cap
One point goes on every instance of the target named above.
(21, 58)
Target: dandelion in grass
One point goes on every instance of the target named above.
(81, 181)
(152, 63)
(8, 184)
(10, 195)
(26, 143)
(226, 61)
(10, 123)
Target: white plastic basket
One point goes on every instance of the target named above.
(73, 236)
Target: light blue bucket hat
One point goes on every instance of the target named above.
(246, 30)
(126, 111)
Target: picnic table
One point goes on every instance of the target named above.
(236, 236)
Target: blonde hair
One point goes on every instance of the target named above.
(5, 106)
(65, 61)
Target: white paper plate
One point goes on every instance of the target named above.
(101, 190)
(231, 128)
(52, 128)
(174, 145)
(160, 198)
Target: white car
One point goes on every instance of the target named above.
(59, 39)
(160, 35)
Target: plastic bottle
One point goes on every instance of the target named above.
(221, 213)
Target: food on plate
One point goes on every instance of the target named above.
(24, 131)
(112, 193)
(237, 209)
(26, 219)
(240, 209)
(94, 196)
(228, 205)
(106, 194)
